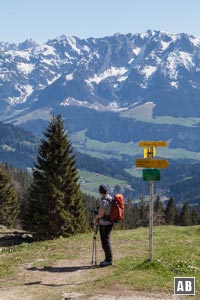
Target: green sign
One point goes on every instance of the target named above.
(151, 174)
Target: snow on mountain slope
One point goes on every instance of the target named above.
(110, 73)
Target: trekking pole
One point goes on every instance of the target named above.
(94, 248)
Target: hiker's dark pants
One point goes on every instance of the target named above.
(105, 231)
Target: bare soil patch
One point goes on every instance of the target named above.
(65, 279)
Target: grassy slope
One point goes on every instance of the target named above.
(115, 149)
(90, 182)
(102, 150)
(145, 113)
(176, 253)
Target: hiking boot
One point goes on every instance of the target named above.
(105, 263)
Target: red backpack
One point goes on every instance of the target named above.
(117, 210)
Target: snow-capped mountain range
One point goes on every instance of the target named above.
(112, 73)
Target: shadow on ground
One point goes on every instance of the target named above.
(15, 239)
(51, 284)
(62, 269)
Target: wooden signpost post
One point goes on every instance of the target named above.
(152, 174)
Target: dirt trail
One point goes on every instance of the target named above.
(72, 278)
(67, 279)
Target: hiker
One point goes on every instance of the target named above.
(105, 226)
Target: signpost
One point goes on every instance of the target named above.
(153, 144)
(152, 174)
(147, 152)
(151, 163)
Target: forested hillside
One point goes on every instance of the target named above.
(17, 146)
(180, 180)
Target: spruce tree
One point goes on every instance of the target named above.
(194, 216)
(92, 203)
(144, 212)
(171, 212)
(131, 215)
(55, 205)
(9, 201)
(159, 214)
(185, 215)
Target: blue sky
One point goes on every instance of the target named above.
(45, 19)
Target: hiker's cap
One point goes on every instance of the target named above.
(103, 189)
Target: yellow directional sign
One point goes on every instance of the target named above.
(151, 163)
(153, 144)
(147, 152)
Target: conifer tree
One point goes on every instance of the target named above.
(159, 214)
(92, 203)
(9, 201)
(55, 205)
(194, 216)
(131, 215)
(171, 212)
(185, 215)
(144, 212)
